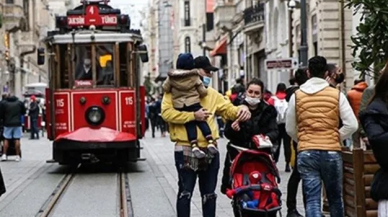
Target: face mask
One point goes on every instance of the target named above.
(87, 62)
(252, 101)
(206, 81)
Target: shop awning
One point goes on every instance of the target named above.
(220, 48)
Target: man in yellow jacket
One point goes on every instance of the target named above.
(187, 165)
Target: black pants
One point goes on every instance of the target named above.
(34, 128)
(283, 136)
(221, 124)
(191, 127)
(293, 184)
(230, 155)
(154, 122)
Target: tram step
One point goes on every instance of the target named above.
(50, 161)
(141, 159)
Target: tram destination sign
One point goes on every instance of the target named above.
(92, 17)
(281, 64)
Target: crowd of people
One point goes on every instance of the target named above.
(312, 120)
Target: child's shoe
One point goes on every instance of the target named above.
(212, 148)
(198, 153)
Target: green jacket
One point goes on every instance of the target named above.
(366, 97)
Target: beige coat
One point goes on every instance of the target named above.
(185, 86)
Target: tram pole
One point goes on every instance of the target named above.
(303, 25)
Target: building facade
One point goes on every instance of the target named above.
(329, 31)
(25, 23)
(240, 47)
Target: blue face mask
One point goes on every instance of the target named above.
(206, 81)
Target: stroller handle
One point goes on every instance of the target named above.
(240, 149)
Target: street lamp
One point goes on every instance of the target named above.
(291, 7)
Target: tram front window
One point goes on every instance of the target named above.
(83, 59)
(104, 55)
(103, 59)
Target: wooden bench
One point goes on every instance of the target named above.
(359, 168)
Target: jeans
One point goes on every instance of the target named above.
(191, 127)
(315, 167)
(187, 179)
(286, 144)
(293, 184)
(34, 128)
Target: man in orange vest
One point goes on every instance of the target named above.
(313, 117)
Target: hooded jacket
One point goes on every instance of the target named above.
(321, 107)
(11, 111)
(185, 86)
(355, 95)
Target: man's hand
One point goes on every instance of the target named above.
(243, 114)
(201, 115)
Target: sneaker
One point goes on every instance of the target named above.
(17, 159)
(198, 153)
(4, 157)
(212, 149)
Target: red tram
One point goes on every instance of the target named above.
(94, 103)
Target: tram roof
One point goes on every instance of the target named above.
(86, 37)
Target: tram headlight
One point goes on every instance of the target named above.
(95, 115)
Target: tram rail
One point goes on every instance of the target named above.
(124, 199)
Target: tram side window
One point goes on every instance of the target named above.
(123, 65)
(104, 55)
(64, 72)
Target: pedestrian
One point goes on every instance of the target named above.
(374, 120)
(280, 103)
(160, 122)
(186, 90)
(334, 76)
(312, 120)
(187, 165)
(153, 115)
(354, 96)
(365, 99)
(262, 122)
(293, 181)
(33, 113)
(11, 111)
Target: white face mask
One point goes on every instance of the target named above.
(87, 62)
(252, 101)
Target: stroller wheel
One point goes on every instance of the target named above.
(236, 209)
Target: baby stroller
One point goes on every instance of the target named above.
(255, 179)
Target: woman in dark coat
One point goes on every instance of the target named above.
(375, 123)
(262, 122)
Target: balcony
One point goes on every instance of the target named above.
(223, 14)
(254, 18)
(13, 15)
